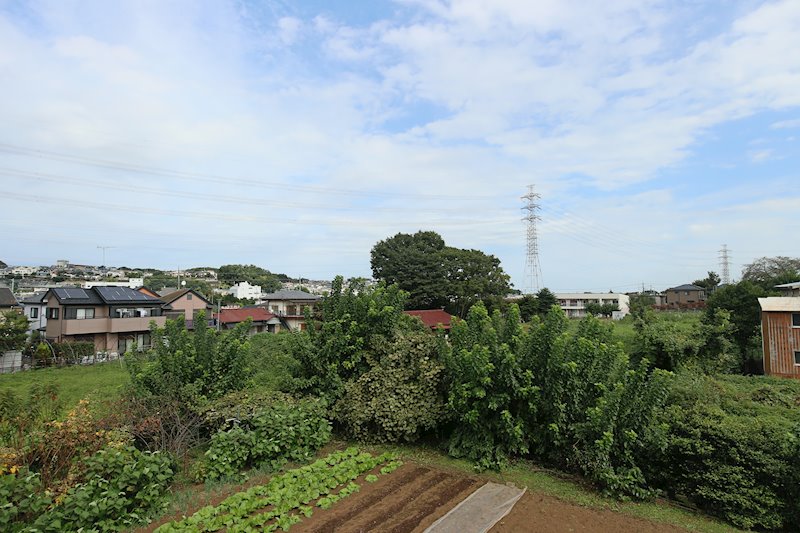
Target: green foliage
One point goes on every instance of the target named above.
(400, 396)
(355, 321)
(732, 448)
(709, 283)
(22, 499)
(72, 352)
(596, 414)
(280, 503)
(436, 275)
(275, 433)
(191, 367)
(490, 391)
(13, 331)
(766, 272)
(675, 340)
(741, 300)
(121, 485)
(538, 304)
(270, 364)
(231, 274)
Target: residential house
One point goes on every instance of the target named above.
(262, 320)
(244, 291)
(149, 292)
(186, 303)
(780, 336)
(789, 289)
(685, 297)
(433, 318)
(290, 306)
(113, 318)
(34, 308)
(574, 303)
(7, 300)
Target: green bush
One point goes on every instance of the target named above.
(271, 436)
(596, 414)
(491, 394)
(270, 363)
(732, 449)
(21, 499)
(121, 485)
(400, 396)
(193, 367)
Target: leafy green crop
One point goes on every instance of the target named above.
(286, 498)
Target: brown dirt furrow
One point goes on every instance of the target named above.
(545, 514)
(324, 521)
(396, 503)
(442, 500)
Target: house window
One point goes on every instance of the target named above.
(797, 358)
(52, 313)
(189, 296)
(34, 312)
(796, 320)
(291, 309)
(79, 313)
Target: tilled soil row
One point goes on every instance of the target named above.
(409, 500)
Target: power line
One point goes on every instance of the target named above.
(212, 178)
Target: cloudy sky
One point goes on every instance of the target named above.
(295, 135)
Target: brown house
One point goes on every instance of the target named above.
(113, 318)
(685, 297)
(186, 302)
(780, 334)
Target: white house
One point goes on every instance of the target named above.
(574, 304)
(243, 290)
(289, 306)
(25, 270)
(34, 308)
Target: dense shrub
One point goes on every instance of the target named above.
(21, 497)
(596, 413)
(355, 320)
(192, 367)
(121, 486)
(732, 448)
(400, 396)
(491, 395)
(270, 364)
(275, 434)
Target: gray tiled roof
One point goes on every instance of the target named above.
(687, 287)
(290, 295)
(7, 298)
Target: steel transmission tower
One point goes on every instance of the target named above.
(533, 271)
(725, 264)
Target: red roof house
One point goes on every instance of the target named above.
(433, 318)
(262, 319)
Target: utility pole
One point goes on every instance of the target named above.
(533, 271)
(725, 264)
(104, 248)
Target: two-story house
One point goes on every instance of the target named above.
(686, 296)
(186, 302)
(113, 318)
(34, 307)
(574, 303)
(289, 306)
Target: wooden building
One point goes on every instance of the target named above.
(780, 333)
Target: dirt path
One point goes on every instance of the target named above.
(537, 513)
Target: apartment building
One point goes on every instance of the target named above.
(574, 304)
(113, 318)
(289, 306)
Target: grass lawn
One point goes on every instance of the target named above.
(102, 381)
(527, 474)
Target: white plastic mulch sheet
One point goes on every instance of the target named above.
(479, 511)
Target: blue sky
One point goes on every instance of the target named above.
(295, 135)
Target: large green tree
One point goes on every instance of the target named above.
(767, 272)
(437, 275)
(741, 300)
(252, 274)
(13, 331)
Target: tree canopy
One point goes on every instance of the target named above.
(710, 282)
(741, 300)
(13, 330)
(437, 275)
(252, 274)
(767, 272)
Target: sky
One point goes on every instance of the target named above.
(296, 135)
